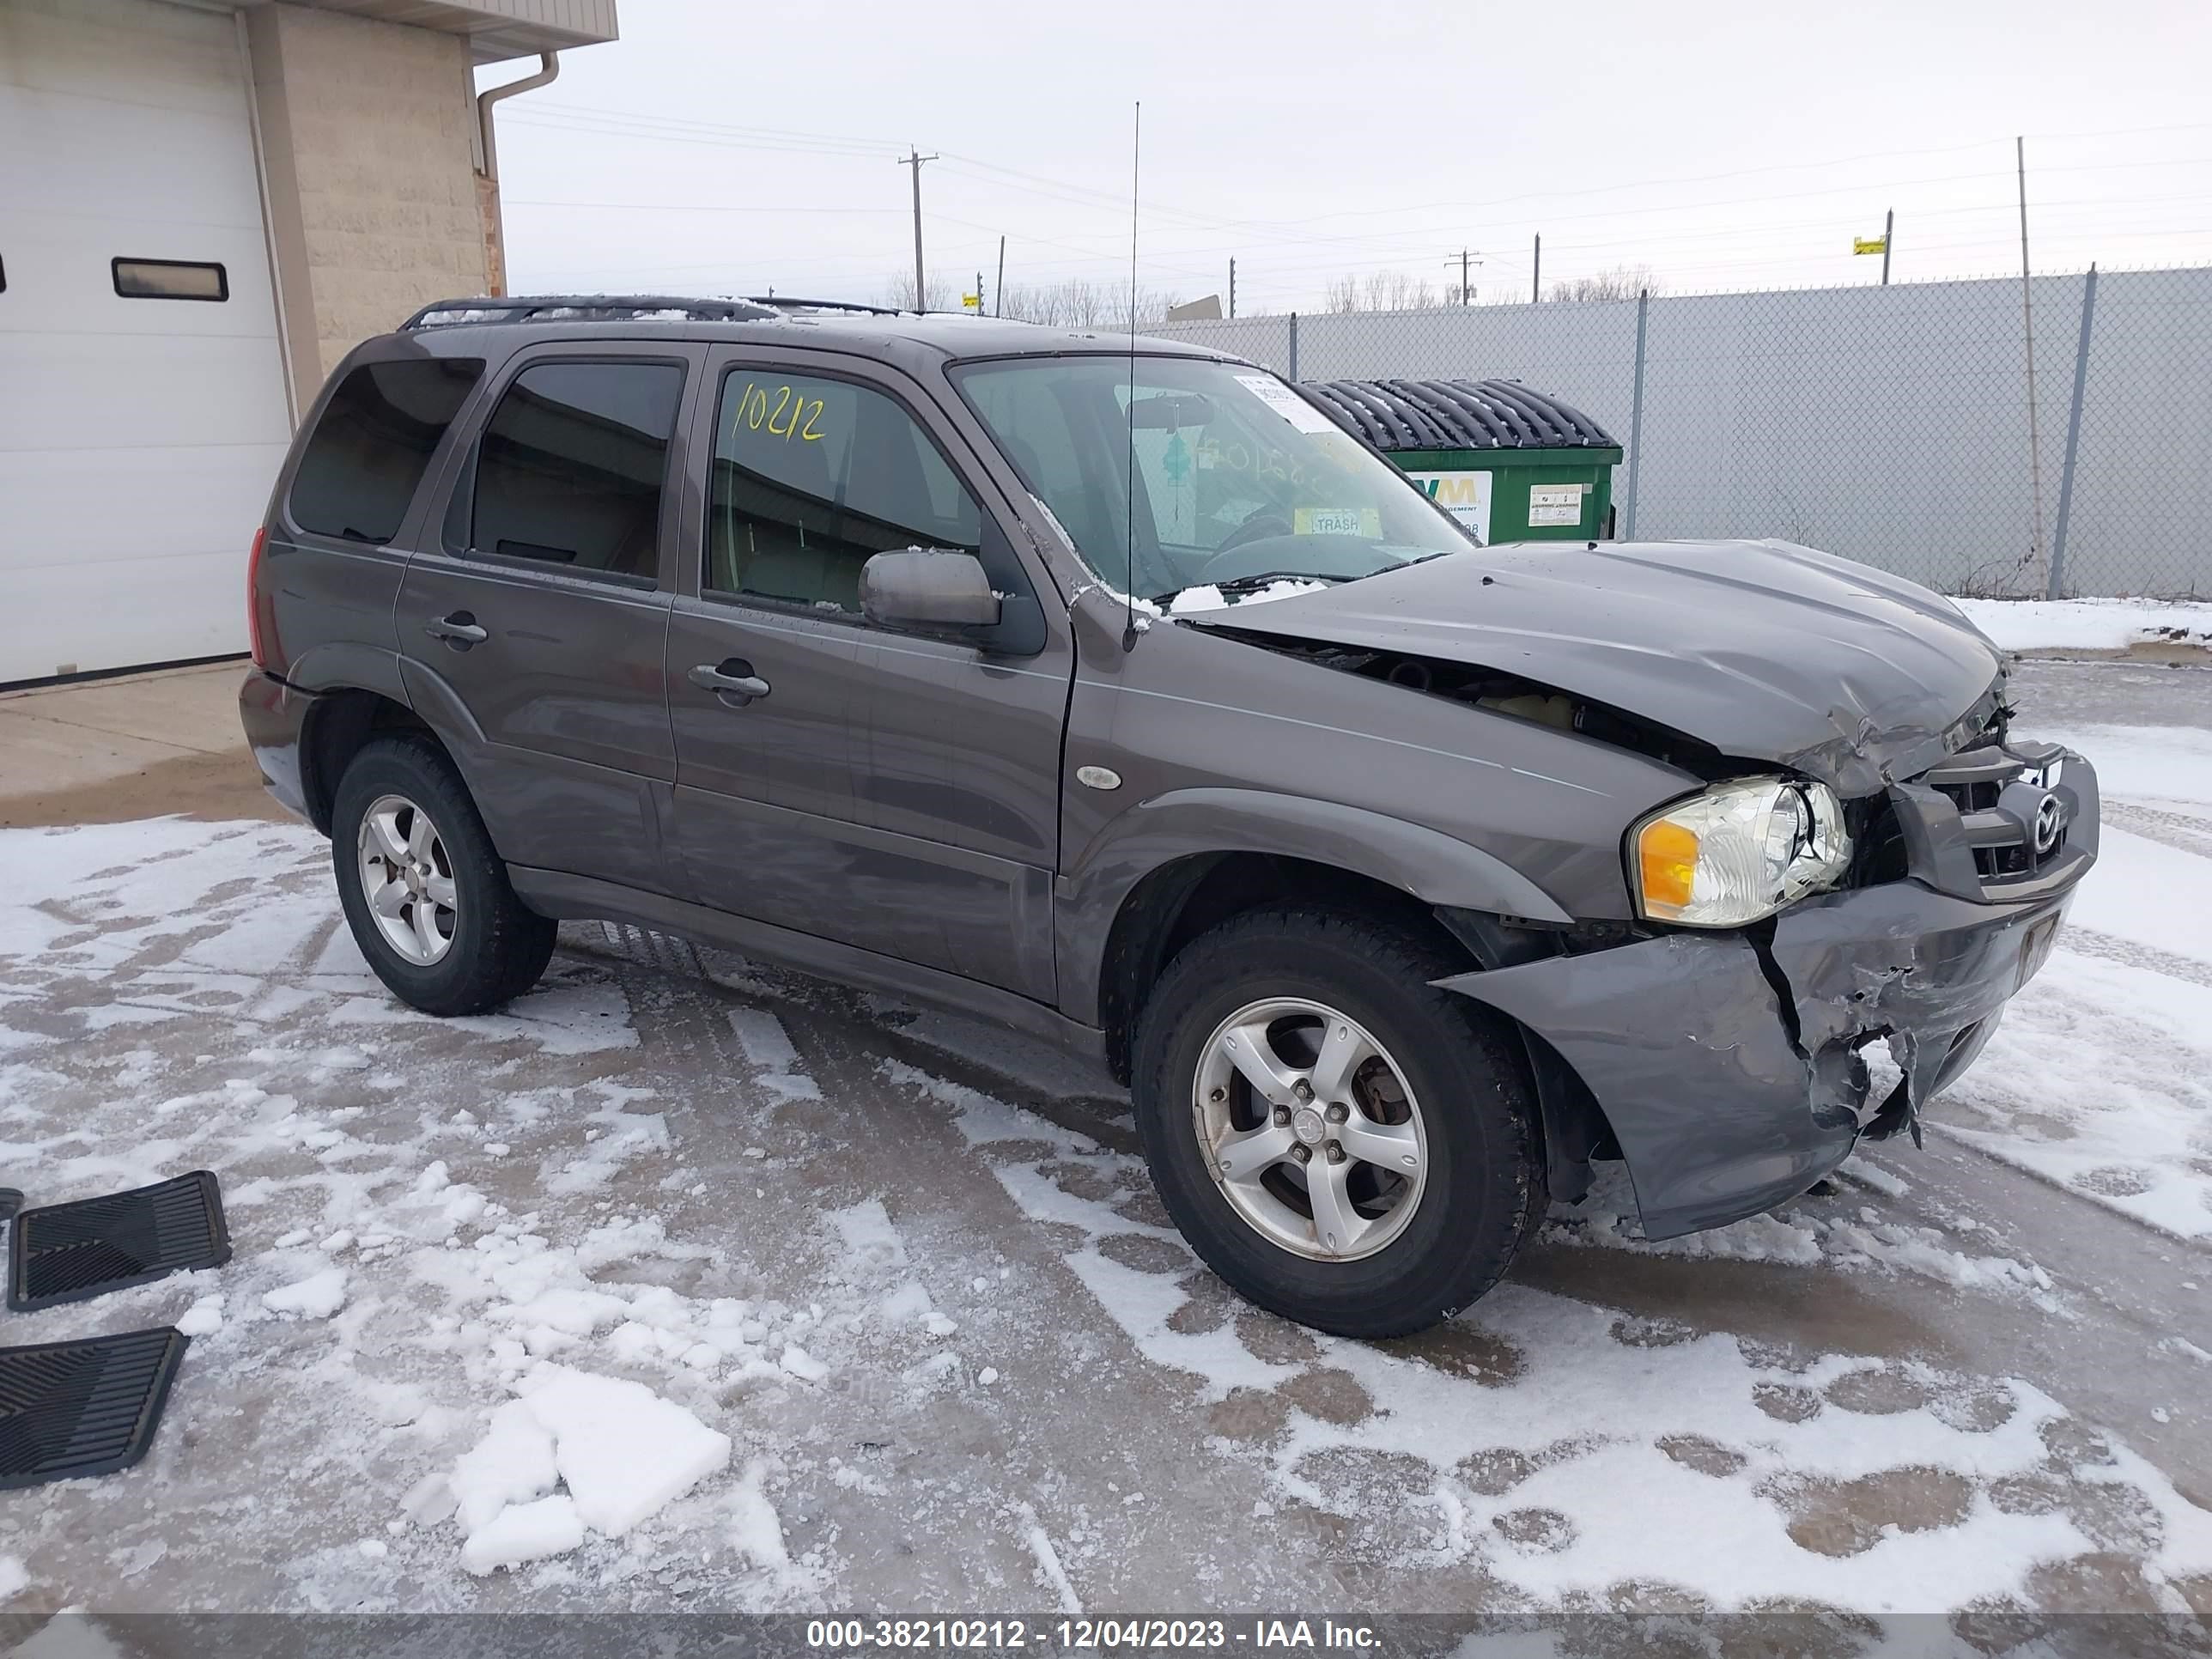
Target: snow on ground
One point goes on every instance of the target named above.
(1807, 1235)
(2089, 624)
(2099, 1079)
(1512, 1437)
(660, 1291)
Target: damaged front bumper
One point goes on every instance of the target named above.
(1727, 1065)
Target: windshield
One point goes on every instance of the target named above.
(1239, 482)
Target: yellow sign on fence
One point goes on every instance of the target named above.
(1869, 244)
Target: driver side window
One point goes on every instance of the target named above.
(813, 476)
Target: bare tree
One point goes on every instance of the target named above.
(940, 295)
(1394, 291)
(1620, 283)
(1381, 290)
(1079, 302)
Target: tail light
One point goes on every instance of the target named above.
(254, 599)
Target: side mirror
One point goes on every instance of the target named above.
(929, 588)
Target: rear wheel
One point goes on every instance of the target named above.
(423, 891)
(1343, 1143)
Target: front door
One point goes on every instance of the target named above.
(880, 789)
(533, 636)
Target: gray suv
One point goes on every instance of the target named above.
(1114, 691)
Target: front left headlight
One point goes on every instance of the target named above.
(1742, 850)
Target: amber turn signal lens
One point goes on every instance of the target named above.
(1666, 860)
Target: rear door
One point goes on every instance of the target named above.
(886, 790)
(532, 631)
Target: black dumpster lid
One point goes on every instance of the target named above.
(1458, 415)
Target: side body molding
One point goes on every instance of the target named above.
(1432, 867)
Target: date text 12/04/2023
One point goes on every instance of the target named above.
(1006, 1633)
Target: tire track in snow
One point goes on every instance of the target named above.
(2112, 948)
(2181, 831)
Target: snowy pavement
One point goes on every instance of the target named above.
(689, 1284)
(2090, 624)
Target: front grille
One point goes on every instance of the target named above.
(2011, 813)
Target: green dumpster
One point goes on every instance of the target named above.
(1510, 463)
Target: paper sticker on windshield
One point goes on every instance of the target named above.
(1288, 404)
(1338, 521)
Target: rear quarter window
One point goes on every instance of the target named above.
(368, 452)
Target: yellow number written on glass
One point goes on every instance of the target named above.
(754, 409)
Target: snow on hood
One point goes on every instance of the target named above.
(1190, 601)
(1765, 650)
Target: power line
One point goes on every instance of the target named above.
(1380, 247)
(1041, 184)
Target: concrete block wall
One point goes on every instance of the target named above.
(366, 135)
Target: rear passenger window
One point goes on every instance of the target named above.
(571, 464)
(814, 477)
(367, 452)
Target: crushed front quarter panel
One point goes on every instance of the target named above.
(1684, 1042)
(1725, 1097)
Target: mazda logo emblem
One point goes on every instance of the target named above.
(2049, 819)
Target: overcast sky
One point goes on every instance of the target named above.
(727, 146)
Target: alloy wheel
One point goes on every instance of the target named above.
(1309, 1129)
(407, 878)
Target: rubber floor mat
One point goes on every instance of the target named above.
(68, 1409)
(67, 1252)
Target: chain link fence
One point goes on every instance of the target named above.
(1890, 425)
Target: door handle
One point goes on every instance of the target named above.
(733, 680)
(459, 631)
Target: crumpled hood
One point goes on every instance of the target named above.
(1765, 650)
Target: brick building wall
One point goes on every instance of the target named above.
(367, 130)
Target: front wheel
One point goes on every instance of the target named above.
(1344, 1144)
(424, 889)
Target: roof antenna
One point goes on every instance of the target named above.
(1129, 513)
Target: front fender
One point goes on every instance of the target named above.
(1426, 863)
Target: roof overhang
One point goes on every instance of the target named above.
(497, 29)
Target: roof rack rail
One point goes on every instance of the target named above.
(793, 302)
(585, 307)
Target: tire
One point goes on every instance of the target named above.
(1453, 1068)
(482, 949)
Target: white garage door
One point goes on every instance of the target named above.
(138, 436)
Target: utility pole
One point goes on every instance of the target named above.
(913, 158)
(1536, 273)
(1462, 259)
(2027, 324)
(1888, 236)
(1232, 287)
(998, 293)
